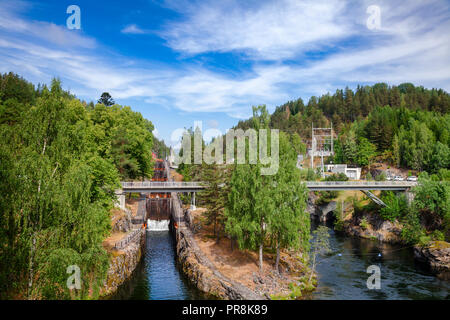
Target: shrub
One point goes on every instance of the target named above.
(381, 177)
(396, 206)
(424, 240)
(364, 223)
(437, 235)
(412, 230)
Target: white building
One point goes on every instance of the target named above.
(351, 173)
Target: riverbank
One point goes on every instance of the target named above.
(367, 225)
(342, 274)
(231, 273)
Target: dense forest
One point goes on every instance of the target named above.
(60, 161)
(404, 125)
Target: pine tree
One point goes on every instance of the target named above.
(106, 99)
(215, 195)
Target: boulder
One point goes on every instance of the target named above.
(437, 256)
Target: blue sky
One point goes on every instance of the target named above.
(178, 62)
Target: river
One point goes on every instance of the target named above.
(342, 274)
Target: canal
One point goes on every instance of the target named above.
(341, 274)
(158, 276)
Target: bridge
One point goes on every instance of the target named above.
(365, 187)
(172, 186)
(158, 187)
(193, 187)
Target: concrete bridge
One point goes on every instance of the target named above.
(172, 186)
(365, 187)
(193, 187)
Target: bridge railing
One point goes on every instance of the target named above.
(362, 183)
(130, 237)
(159, 184)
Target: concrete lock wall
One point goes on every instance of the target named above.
(120, 199)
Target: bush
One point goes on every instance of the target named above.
(364, 223)
(437, 235)
(396, 206)
(339, 222)
(424, 240)
(381, 177)
(412, 230)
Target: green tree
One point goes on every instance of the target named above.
(289, 224)
(250, 203)
(396, 207)
(366, 152)
(51, 204)
(319, 247)
(215, 195)
(106, 99)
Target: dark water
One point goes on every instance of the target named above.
(158, 276)
(345, 276)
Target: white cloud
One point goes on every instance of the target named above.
(132, 29)
(51, 33)
(270, 30)
(412, 46)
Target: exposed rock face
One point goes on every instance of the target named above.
(310, 204)
(123, 264)
(376, 229)
(123, 223)
(203, 273)
(436, 256)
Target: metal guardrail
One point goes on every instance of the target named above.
(158, 184)
(119, 245)
(362, 183)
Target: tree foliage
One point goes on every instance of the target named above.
(58, 180)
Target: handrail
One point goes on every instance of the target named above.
(119, 245)
(159, 184)
(362, 183)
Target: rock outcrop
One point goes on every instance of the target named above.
(375, 229)
(436, 256)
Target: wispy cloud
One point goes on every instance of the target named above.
(132, 29)
(296, 49)
(267, 30)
